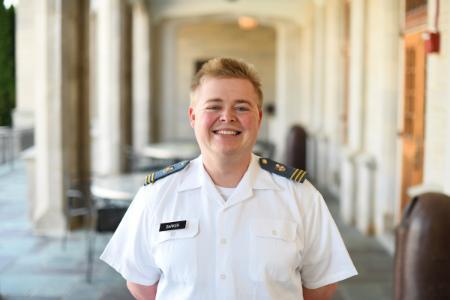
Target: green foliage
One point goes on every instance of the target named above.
(7, 64)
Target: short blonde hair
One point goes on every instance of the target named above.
(223, 67)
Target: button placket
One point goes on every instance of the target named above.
(222, 251)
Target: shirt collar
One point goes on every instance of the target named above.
(254, 178)
(261, 179)
(193, 178)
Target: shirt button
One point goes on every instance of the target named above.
(223, 241)
(223, 276)
(274, 232)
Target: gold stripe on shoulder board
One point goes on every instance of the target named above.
(294, 173)
(153, 178)
(297, 178)
(303, 175)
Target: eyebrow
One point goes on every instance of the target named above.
(239, 101)
(213, 100)
(243, 102)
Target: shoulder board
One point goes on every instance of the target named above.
(153, 177)
(291, 173)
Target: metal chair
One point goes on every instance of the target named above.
(106, 217)
(79, 204)
(99, 216)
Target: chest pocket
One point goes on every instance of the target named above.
(273, 250)
(175, 252)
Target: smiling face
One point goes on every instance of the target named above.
(225, 117)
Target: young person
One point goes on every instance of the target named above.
(228, 224)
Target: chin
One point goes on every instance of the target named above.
(224, 150)
(233, 151)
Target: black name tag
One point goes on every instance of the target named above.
(172, 225)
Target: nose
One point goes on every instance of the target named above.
(227, 116)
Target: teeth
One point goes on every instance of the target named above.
(227, 132)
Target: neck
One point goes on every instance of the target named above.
(228, 171)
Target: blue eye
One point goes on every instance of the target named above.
(213, 107)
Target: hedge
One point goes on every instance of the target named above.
(7, 64)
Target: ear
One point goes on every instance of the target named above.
(260, 114)
(191, 113)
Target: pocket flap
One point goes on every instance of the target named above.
(275, 229)
(190, 231)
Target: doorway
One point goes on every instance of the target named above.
(413, 114)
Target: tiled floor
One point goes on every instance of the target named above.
(33, 267)
(374, 265)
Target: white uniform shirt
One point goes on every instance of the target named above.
(271, 236)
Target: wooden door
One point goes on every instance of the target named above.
(413, 116)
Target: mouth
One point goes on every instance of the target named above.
(227, 132)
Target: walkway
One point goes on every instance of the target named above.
(375, 266)
(33, 267)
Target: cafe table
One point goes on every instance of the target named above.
(171, 151)
(120, 187)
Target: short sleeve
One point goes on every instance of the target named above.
(128, 251)
(326, 259)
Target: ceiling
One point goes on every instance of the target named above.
(296, 11)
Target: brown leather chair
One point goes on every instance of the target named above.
(296, 147)
(422, 256)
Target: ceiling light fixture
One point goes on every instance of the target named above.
(247, 23)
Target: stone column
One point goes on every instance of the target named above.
(24, 112)
(357, 73)
(113, 86)
(382, 105)
(375, 163)
(23, 115)
(355, 107)
(332, 91)
(316, 140)
(347, 188)
(365, 190)
(141, 75)
(287, 85)
(305, 84)
(318, 69)
(307, 91)
(166, 80)
(62, 149)
(318, 133)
